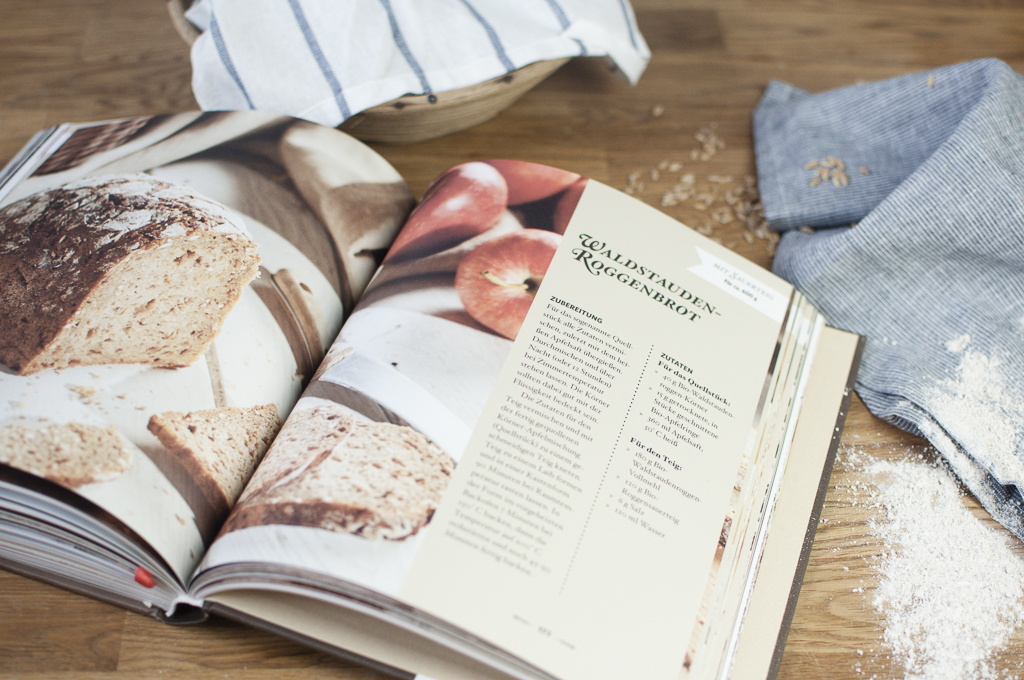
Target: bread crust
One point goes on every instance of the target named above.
(112, 270)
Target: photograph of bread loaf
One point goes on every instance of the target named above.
(210, 454)
(117, 270)
(70, 454)
(330, 470)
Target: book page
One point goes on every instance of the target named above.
(170, 285)
(592, 492)
(766, 621)
(534, 429)
(752, 517)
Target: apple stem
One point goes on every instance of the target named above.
(498, 282)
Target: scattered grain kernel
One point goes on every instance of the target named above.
(722, 198)
(723, 215)
(831, 169)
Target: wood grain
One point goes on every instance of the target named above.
(63, 60)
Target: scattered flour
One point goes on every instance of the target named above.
(982, 412)
(957, 345)
(950, 588)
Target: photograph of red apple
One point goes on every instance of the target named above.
(529, 182)
(566, 205)
(525, 207)
(471, 198)
(460, 204)
(498, 279)
(540, 197)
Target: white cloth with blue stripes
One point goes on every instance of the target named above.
(933, 270)
(325, 60)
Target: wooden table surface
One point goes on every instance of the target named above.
(97, 59)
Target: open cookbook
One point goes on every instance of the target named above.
(529, 428)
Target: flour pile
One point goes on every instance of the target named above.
(951, 589)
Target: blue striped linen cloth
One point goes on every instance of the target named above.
(325, 60)
(921, 249)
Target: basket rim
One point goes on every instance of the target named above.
(185, 28)
(486, 98)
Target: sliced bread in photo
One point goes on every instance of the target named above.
(210, 454)
(70, 454)
(330, 470)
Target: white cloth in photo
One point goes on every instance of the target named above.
(325, 60)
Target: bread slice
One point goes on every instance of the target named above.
(70, 454)
(117, 270)
(329, 470)
(210, 454)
